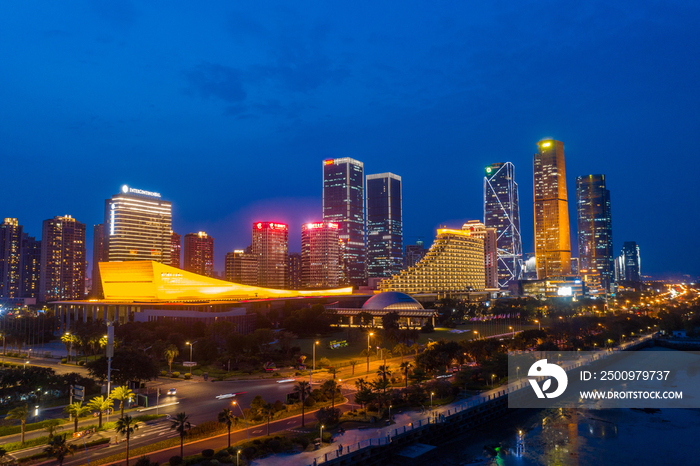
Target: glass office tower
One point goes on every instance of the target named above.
(594, 219)
(384, 225)
(344, 204)
(502, 212)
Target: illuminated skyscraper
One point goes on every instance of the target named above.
(552, 241)
(10, 258)
(488, 236)
(413, 253)
(99, 254)
(502, 212)
(271, 246)
(344, 204)
(384, 225)
(199, 254)
(242, 267)
(319, 255)
(31, 266)
(595, 247)
(137, 226)
(175, 249)
(63, 259)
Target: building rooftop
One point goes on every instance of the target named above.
(392, 300)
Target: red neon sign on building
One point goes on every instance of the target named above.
(270, 225)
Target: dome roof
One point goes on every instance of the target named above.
(391, 300)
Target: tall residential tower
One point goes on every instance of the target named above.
(384, 225)
(344, 204)
(271, 247)
(10, 258)
(199, 254)
(552, 241)
(63, 259)
(502, 212)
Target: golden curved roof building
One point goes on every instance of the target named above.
(146, 281)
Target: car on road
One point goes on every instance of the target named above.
(172, 391)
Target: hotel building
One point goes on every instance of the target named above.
(270, 247)
(319, 255)
(63, 259)
(199, 254)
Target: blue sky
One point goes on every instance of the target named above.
(228, 109)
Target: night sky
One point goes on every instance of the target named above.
(229, 109)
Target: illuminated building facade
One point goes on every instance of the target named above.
(63, 259)
(175, 249)
(271, 246)
(595, 247)
(630, 263)
(502, 212)
(488, 236)
(344, 204)
(384, 225)
(137, 226)
(10, 258)
(413, 253)
(454, 263)
(241, 267)
(294, 270)
(199, 254)
(319, 255)
(31, 266)
(552, 241)
(553, 287)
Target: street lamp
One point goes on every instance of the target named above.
(368, 348)
(70, 340)
(191, 345)
(237, 455)
(477, 334)
(512, 333)
(322, 426)
(493, 376)
(431, 400)
(517, 373)
(246, 420)
(389, 414)
(25, 365)
(316, 343)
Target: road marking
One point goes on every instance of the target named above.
(290, 422)
(257, 431)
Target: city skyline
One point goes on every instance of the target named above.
(425, 97)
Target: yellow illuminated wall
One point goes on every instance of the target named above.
(153, 281)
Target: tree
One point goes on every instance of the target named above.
(330, 388)
(59, 448)
(100, 404)
(227, 417)
(170, 354)
(133, 365)
(126, 426)
(123, 394)
(303, 389)
(19, 413)
(406, 367)
(365, 317)
(401, 349)
(390, 321)
(181, 425)
(415, 347)
(76, 410)
(50, 426)
(268, 410)
(68, 340)
(353, 363)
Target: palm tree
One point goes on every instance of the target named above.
(353, 363)
(303, 388)
(181, 424)
(20, 413)
(59, 448)
(401, 349)
(100, 404)
(171, 353)
(268, 409)
(384, 372)
(415, 347)
(76, 410)
(405, 367)
(126, 426)
(227, 417)
(122, 393)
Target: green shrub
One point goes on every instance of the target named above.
(302, 441)
(309, 402)
(188, 376)
(163, 373)
(208, 453)
(176, 375)
(64, 360)
(175, 460)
